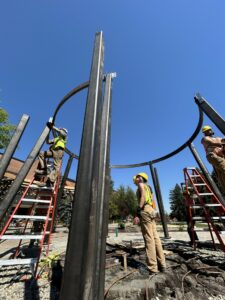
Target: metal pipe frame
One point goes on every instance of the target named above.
(164, 223)
(8, 154)
(210, 112)
(159, 199)
(179, 149)
(206, 173)
(103, 190)
(67, 97)
(6, 204)
(78, 278)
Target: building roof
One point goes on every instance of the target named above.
(16, 164)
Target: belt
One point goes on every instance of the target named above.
(59, 148)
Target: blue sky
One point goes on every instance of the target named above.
(162, 51)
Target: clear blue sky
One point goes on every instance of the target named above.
(163, 52)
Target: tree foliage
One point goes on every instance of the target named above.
(177, 206)
(6, 129)
(122, 203)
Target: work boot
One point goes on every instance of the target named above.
(41, 172)
(162, 269)
(49, 183)
(41, 184)
(152, 273)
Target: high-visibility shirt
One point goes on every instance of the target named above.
(148, 194)
(59, 142)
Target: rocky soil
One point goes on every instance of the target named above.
(190, 275)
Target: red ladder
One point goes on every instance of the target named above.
(200, 198)
(41, 209)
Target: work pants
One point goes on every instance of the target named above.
(219, 166)
(153, 246)
(57, 157)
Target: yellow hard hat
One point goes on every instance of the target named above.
(205, 128)
(143, 175)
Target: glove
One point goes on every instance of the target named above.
(50, 125)
(138, 212)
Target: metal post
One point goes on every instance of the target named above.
(8, 154)
(103, 190)
(206, 173)
(210, 112)
(78, 277)
(62, 185)
(166, 233)
(7, 202)
(159, 200)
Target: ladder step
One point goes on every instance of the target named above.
(14, 262)
(205, 194)
(199, 184)
(203, 218)
(23, 237)
(207, 205)
(43, 218)
(36, 200)
(194, 175)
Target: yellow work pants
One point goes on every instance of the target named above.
(219, 166)
(153, 246)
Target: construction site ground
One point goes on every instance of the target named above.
(190, 275)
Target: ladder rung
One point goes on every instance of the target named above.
(23, 237)
(194, 175)
(36, 200)
(30, 217)
(207, 205)
(203, 218)
(199, 184)
(14, 262)
(205, 194)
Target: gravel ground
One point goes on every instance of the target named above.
(41, 290)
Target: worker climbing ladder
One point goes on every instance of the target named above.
(202, 206)
(35, 226)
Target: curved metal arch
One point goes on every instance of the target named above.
(179, 149)
(74, 91)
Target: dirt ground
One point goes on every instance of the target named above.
(190, 275)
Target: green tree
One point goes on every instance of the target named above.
(6, 129)
(122, 203)
(177, 206)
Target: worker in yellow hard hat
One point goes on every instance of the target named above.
(146, 217)
(215, 154)
(55, 151)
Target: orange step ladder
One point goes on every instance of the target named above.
(41, 209)
(203, 205)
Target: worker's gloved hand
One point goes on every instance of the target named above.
(50, 125)
(223, 141)
(138, 212)
(136, 221)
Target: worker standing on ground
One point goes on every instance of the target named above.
(214, 148)
(55, 151)
(146, 216)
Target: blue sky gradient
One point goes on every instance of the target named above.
(162, 51)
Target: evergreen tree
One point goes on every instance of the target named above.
(122, 203)
(6, 129)
(177, 205)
